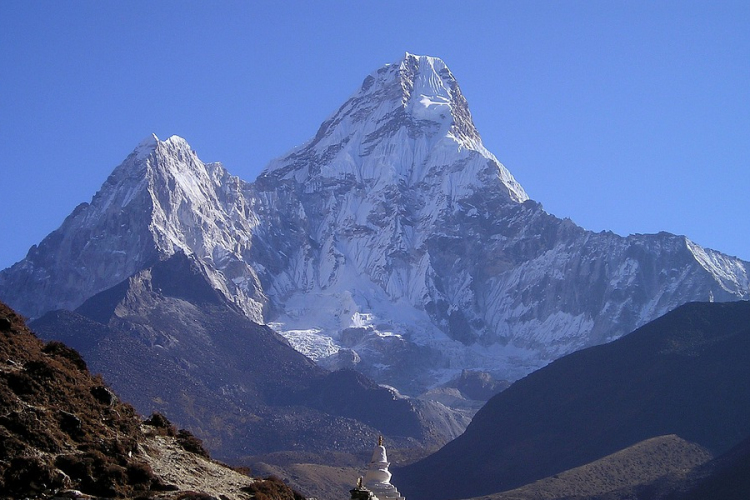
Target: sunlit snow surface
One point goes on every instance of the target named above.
(728, 271)
(311, 342)
(313, 322)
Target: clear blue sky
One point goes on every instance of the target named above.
(632, 116)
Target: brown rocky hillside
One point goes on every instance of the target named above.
(64, 433)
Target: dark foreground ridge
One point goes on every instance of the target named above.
(685, 374)
(63, 432)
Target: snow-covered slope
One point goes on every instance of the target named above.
(392, 242)
(419, 254)
(161, 199)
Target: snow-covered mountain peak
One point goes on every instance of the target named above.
(405, 125)
(392, 240)
(425, 77)
(148, 142)
(160, 201)
(431, 93)
(175, 141)
(178, 147)
(172, 159)
(153, 143)
(145, 147)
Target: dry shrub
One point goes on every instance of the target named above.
(140, 473)
(95, 473)
(29, 474)
(10, 445)
(40, 369)
(193, 495)
(103, 395)
(63, 352)
(191, 443)
(242, 469)
(28, 425)
(22, 384)
(272, 488)
(161, 425)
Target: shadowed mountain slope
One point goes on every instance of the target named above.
(623, 475)
(685, 373)
(725, 478)
(169, 342)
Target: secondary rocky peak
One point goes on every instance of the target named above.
(175, 144)
(153, 154)
(161, 200)
(158, 176)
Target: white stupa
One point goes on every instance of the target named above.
(378, 479)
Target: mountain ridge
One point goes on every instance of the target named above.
(170, 343)
(680, 374)
(392, 242)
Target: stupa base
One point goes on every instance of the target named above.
(385, 491)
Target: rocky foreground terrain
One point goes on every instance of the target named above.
(64, 433)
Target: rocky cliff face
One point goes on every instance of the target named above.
(392, 242)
